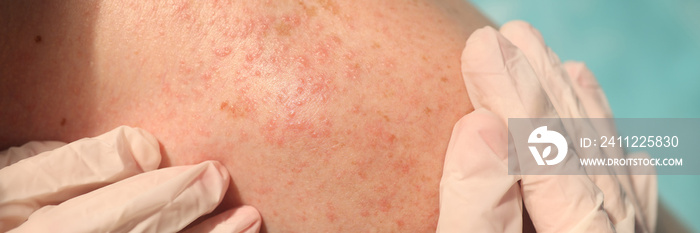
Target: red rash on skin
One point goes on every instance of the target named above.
(377, 130)
(223, 52)
(330, 212)
(273, 54)
(290, 111)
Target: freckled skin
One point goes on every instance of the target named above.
(331, 116)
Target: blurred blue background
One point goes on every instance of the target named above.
(645, 54)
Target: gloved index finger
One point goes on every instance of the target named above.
(74, 169)
(164, 200)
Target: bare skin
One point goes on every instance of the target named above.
(330, 116)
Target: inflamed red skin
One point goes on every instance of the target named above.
(330, 115)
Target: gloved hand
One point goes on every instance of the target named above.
(513, 74)
(109, 184)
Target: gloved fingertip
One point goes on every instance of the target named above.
(484, 68)
(482, 51)
(144, 147)
(221, 169)
(518, 30)
(515, 25)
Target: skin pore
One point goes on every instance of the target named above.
(329, 115)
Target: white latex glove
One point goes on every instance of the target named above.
(109, 184)
(523, 78)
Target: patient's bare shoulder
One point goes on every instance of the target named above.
(329, 115)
